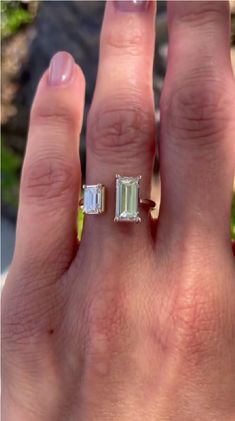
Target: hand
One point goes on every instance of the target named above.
(137, 322)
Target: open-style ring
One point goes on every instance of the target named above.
(128, 200)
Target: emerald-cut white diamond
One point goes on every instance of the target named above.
(127, 199)
(93, 201)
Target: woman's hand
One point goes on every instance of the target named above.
(137, 322)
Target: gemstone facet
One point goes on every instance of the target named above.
(127, 199)
(93, 199)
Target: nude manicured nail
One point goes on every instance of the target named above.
(61, 68)
(131, 5)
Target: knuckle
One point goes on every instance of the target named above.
(127, 42)
(200, 319)
(106, 331)
(208, 13)
(194, 317)
(61, 117)
(47, 179)
(196, 115)
(112, 130)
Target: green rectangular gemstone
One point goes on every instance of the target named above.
(127, 199)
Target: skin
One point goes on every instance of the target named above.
(137, 322)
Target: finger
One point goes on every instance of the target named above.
(121, 124)
(46, 227)
(197, 120)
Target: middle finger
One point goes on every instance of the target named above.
(121, 123)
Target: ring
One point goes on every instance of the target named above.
(92, 202)
(128, 200)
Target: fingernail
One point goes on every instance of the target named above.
(61, 68)
(131, 5)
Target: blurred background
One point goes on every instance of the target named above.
(31, 32)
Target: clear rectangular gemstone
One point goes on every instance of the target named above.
(127, 199)
(93, 199)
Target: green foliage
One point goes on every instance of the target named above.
(233, 218)
(80, 222)
(13, 16)
(10, 175)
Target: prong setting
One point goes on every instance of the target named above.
(127, 199)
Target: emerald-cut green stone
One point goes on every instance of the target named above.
(127, 199)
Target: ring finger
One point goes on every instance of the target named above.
(121, 124)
